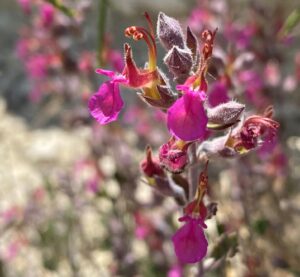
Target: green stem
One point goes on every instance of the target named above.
(101, 29)
(57, 4)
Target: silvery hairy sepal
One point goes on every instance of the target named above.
(224, 115)
(179, 62)
(169, 32)
(166, 100)
(167, 186)
(215, 148)
(192, 44)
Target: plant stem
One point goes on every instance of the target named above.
(101, 29)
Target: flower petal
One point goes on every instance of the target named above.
(106, 104)
(187, 118)
(190, 243)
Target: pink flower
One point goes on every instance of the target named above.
(116, 59)
(37, 66)
(218, 94)
(189, 241)
(175, 271)
(22, 49)
(106, 104)
(253, 84)
(47, 14)
(241, 35)
(25, 5)
(187, 118)
(143, 226)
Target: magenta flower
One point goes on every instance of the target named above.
(106, 104)
(189, 241)
(187, 118)
(37, 65)
(25, 5)
(47, 14)
(218, 94)
(175, 271)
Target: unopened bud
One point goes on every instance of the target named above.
(225, 115)
(179, 61)
(169, 32)
(150, 166)
(192, 44)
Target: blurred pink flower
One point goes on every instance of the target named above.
(37, 66)
(47, 14)
(218, 94)
(253, 85)
(22, 48)
(115, 58)
(143, 226)
(86, 62)
(241, 36)
(25, 5)
(175, 271)
(11, 214)
(272, 73)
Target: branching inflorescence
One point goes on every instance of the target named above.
(191, 120)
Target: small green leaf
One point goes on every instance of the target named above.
(290, 23)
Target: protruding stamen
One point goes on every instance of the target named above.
(139, 33)
(150, 24)
(130, 31)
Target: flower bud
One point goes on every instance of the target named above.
(149, 166)
(169, 32)
(179, 62)
(215, 148)
(192, 44)
(225, 115)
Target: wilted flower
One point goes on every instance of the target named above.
(257, 129)
(150, 166)
(173, 155)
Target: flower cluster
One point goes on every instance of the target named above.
(194, 115)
